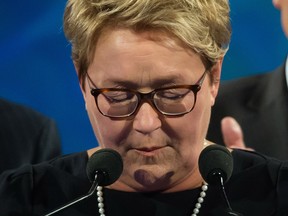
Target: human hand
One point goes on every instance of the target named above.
(232, 134)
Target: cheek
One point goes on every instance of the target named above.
(109, 133)
(202, 112)
(192, 127)
(198, 119)
(94, 120)
(189, 132)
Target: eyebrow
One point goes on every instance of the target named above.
(135, 85)
(169, 80)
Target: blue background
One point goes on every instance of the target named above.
(36, 68)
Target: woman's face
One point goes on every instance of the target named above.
(158, 152)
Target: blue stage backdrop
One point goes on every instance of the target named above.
(36, 68)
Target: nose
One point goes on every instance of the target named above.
(146, 119)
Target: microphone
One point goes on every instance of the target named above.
(106, 164)
(215, 162)
(216, 166)
(104, 167)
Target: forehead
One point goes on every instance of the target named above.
(122, 39)
(148, 34)
(125, 54)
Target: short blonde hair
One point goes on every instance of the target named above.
(202, 25)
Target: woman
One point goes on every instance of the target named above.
(149, 73)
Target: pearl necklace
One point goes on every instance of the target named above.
(196, 209)
(100, 200)
(200, 199)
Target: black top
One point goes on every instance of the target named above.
(26, 136)
(258, 186)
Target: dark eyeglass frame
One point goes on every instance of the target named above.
(147, 96)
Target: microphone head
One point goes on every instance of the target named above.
(107, 163)
(215, 161)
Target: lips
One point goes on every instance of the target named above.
(148, 151)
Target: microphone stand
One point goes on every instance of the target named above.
(90, 193)
(221, 184)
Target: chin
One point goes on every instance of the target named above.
(152, 180)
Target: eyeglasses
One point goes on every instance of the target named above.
(170, 101)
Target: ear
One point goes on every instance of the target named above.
(81, 84)
(215, 79)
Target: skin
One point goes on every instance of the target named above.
(159, 153)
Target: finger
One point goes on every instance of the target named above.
(232, 133)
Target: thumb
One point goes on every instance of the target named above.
(232, 133)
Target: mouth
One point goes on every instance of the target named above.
(151, 151)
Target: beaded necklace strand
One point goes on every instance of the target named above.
(196, 209)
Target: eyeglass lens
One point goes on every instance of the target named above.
(171, 101)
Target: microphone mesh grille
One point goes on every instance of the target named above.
(216, 157)
(106, 161)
